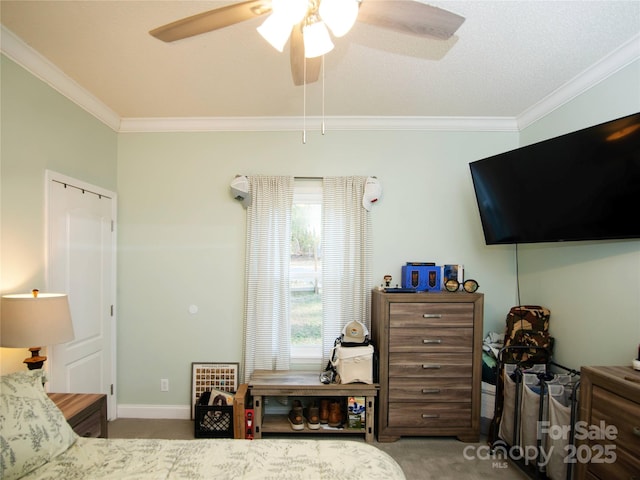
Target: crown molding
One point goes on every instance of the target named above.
(280, 124)
(18, 51)
(601, 70)
(14, 48)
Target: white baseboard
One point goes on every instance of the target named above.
(176, 412)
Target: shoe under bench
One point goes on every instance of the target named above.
(293, 383)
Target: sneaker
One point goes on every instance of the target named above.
(295, 416)
(324, 410)
(312, 416)
(335, 414)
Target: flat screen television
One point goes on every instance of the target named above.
(583, 185)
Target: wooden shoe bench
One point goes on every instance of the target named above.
(292, 383)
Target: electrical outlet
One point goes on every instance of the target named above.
(164, 384)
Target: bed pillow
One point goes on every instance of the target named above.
(33, 429)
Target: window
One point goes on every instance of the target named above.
(337, 269)
(306, 272)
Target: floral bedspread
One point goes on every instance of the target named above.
(96, 459)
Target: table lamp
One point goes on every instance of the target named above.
(35, 319)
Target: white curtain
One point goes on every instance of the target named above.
(266, 326)
(346, 258)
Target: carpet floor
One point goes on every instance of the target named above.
(421, 458)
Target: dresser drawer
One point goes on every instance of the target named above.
(431, 365)
(419, 340)
(429, 389)
(420, 415)
(430, 314)
(625, 466)
(620, 412)
(609, 400)
(590, 476)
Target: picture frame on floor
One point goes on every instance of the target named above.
(207, 376)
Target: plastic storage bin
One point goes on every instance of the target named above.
(214, 421)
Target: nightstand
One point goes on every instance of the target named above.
(85, 412)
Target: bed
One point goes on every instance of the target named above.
(37, 443)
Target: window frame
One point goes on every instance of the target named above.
(307, 191)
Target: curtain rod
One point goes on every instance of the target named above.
(306, 178)
(316, 178)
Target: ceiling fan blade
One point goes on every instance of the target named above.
(296, 50)
(211, 20)
(409, 16)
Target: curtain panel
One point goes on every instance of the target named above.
(346, 258)
(346, 266)
(267, 334)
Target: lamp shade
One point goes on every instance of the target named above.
(317, 41)
(276, 31)
(339, 15)
(29, 320)
(292, 11)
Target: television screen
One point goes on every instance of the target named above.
(583, 185)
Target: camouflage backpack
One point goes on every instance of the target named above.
(528, 325)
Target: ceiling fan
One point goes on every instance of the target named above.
(405, 16)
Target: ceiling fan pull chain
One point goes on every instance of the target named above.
(322, 66)
(304, 102)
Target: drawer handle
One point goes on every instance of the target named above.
(430, 390)
(431, 315)
(430, 415)
(430, 366)
(636, 431)
(431, 340)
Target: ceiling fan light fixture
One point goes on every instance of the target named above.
(292, 11)
(339, 15)
(275, 30)
(317, 41)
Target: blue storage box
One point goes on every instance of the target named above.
(421, 277)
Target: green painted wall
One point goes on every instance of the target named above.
(182, 237)
(41, 130)
(591, 288)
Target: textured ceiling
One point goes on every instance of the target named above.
(506, 57)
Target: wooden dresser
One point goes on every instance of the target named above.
(610, 395)
(430, 363)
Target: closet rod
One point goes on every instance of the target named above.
(83, 190)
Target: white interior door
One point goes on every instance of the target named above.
(81, 263)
